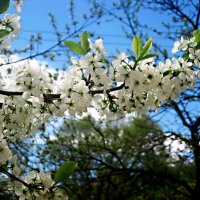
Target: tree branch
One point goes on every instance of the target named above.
(14, 177)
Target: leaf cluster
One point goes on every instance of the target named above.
(79, 48)
(142, 51)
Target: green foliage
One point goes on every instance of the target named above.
(148, 56)
(185, 56)
(196, 34)
(167, 72)
(142, 51)
(107, 155)
(65, 171)
(3, 33)
(146, 48)
(75, 47)
(6, 189)
(4, 5)
(137, 45)
(82, 48)
(84, 41)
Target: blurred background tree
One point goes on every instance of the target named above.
(124, 160)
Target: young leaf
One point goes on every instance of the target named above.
(167, 72)
(84, 41)
(29, 103)
(146, 48)
(75, 47)
(137, 45)
(64, 171)
(196, 34)
(148, 56)
(185, 56)
(3, 33)
(4, 4)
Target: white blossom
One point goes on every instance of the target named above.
(183, 44)
(5, 153)
(13, 25)
(195, 56)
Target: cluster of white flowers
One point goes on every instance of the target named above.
(33, 81)
(74, 94)
(11, 27)
(113, 87)
(15, 165)
(195, 56)
(23, 113)
(188, 45)
(5, 153)
(183, 44)
(39, 186)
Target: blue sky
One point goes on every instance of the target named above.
(35, 18)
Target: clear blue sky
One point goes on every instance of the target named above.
(34, 18)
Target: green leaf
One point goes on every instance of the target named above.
(29, 103)
(84, 41)
(4, 33)
(102, 59)
(167, 72)
(185, 56)
(64, 171)
(75, 47)
(196, 34)
(148, 56)
(4, 4)
(176, 73)
(146, 48)
(137, 45)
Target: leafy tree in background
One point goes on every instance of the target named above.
(125, 161)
